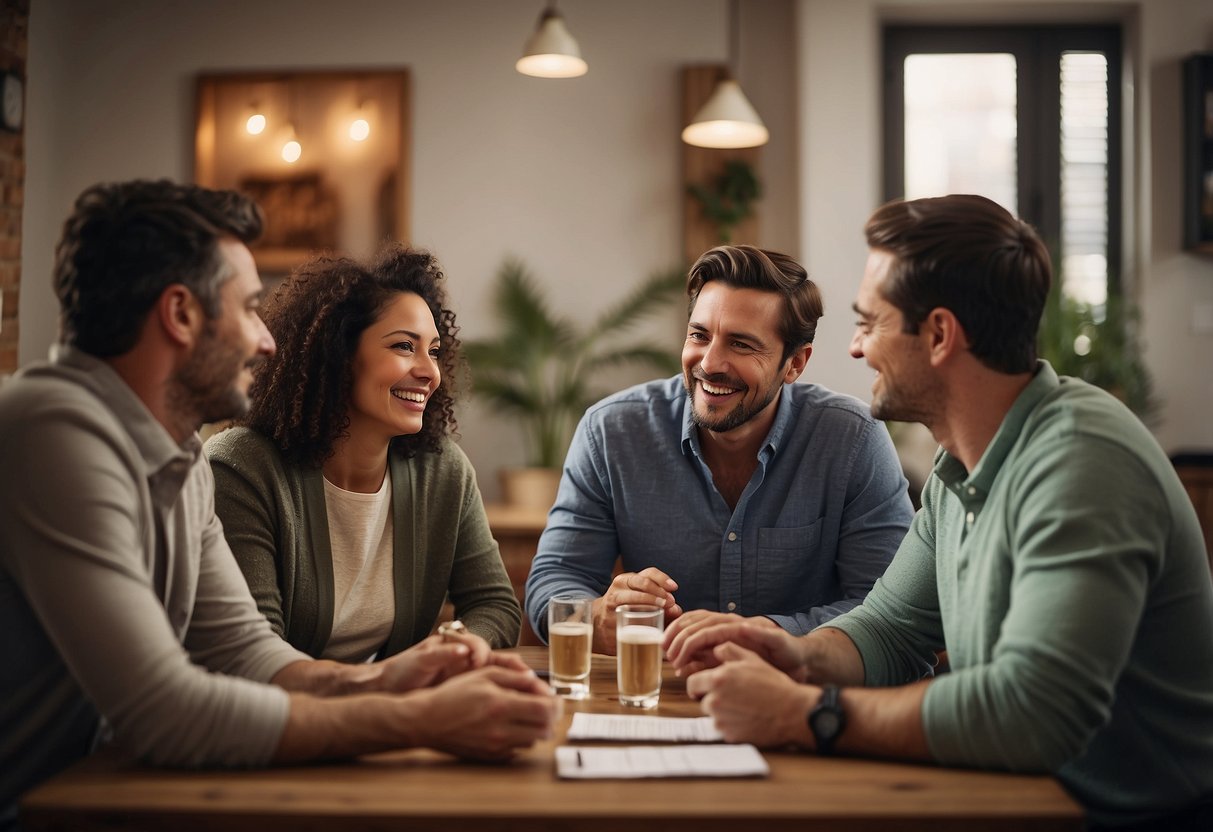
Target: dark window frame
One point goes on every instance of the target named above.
(1037, 51)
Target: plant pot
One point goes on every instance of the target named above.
(529, 487)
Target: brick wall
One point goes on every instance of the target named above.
(14, 40)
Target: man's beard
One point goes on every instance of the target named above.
(204, 390)
(735, 418)
(908, 403)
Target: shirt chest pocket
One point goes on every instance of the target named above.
(791, 574)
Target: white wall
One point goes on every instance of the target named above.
(1174, 282)
(838, 78)
(580, 178)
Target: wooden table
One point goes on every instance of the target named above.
(422, 790)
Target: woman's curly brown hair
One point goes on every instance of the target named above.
(301, 395)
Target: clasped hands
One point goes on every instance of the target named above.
(689, 636)
(746, 672)
(438, 658)
(484, 704)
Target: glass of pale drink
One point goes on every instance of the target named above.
(570, 633)
(638, 630)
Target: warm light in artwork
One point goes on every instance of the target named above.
(255, 124)
(360, 129)
(291, 151)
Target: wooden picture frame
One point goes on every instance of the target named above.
(1198, 153)
(343, 195)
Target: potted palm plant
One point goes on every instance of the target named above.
(541, 366)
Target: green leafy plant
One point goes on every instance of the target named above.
(540, 367)
(730, 199)
(1099, 344)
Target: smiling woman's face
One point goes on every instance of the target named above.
(395, 370)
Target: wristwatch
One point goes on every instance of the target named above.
(827, 720)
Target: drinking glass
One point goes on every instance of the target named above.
(570, 634)
(638, 631)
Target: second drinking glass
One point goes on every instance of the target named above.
(638, 631)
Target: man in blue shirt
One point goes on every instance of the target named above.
(729, 492)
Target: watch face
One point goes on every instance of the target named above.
(827, 720)
(826, 723)
(12, 102)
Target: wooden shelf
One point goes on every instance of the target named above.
(516, 519)
(516, 530)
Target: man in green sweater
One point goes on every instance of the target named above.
(1056, 557)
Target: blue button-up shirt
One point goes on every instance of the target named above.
(815, 527)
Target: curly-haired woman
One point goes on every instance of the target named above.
(349, 508)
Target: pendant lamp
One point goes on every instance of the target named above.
(551, 52)
(727, 119)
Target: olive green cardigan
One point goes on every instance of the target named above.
(275, 521)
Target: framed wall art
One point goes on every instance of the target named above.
(325, 154)
(1198, 153)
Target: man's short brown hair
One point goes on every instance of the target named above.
(747, 267)
(967, 254)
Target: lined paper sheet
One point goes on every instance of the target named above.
(630, 728)
(637, 761)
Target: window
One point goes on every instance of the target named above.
(1027, 116)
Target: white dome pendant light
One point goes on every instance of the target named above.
(551, 52)
(727, 119)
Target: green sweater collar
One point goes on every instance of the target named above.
(973, 487)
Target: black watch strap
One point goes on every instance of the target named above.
(827, 719)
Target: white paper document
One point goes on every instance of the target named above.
(642, 728)
(636, 761)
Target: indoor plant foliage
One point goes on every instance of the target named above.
(541, 366)
(1099, 344)
(730, 199)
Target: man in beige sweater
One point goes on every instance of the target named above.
(122, 611)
